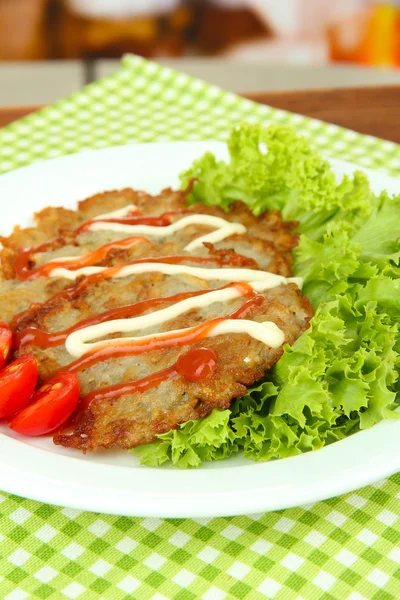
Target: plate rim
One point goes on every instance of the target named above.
(175, 504)
(168, 505)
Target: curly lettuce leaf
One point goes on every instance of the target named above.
(379, 236)
(275, 169)
(342, 374)
(193, 443)
(336, 379)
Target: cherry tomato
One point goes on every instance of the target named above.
(50, 406)
(5, 343)
(17, 383)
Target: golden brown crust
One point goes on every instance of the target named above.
(58, 226)
(136, 419)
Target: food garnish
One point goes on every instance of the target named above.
(50, 406)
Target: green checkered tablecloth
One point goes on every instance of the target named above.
(344, 548)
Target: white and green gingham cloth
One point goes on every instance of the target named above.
(344, 548)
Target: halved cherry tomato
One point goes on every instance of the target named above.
(50, 407)
(5, 343)
(17, 383)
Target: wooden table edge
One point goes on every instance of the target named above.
(322, 90)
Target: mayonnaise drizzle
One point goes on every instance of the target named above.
(224, 229)
(267, 332)
(76, 343)
(166, 269)
(120, 212)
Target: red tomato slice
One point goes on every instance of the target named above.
(17, 384)
(5, 343)
(50, 407)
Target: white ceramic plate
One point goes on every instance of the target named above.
(112, 482)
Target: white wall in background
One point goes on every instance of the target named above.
(299, 17)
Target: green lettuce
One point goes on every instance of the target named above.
(274, 169)
(342, 374)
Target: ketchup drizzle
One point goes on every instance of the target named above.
(45, 339)
(24, 258)
(190, 336)
(193, 366)
(75, 290)
(23, 271)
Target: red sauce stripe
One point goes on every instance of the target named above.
(24, 259)
(193, 366)
(76, 289)
(191, 335)
(44, 339)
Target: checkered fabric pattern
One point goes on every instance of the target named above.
(344, 548)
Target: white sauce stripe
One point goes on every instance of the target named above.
(116, 214)
(216, 236)
(67, 274)
(268, 333)
(166, 269)
(76, 343)
(224, 229)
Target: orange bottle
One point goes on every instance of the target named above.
(368, 37)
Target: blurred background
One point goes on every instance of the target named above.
(300, 31)
(316, 41)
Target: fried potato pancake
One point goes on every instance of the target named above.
(56, 306)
